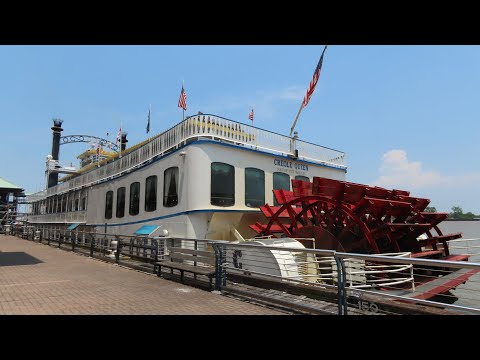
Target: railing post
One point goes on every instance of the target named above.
(48, 237)
(59, 239)
(341, 277)
(217, 267)
(220, 272)
(92, 244)
(119, 247)
(72, 239)
(155, 257)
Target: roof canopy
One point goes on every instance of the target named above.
(6, 185)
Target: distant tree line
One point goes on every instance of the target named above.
(457, 213)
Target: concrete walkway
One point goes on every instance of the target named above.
(39, 279)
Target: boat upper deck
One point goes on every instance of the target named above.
(203, 126)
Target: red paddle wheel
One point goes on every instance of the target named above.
(357, 218)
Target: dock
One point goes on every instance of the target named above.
(38, 279)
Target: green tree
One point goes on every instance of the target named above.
(469, 215)
(430, 209)
(457, 213)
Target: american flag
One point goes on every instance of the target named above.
(148, 122)
(250, 116)
(313, 83)
(182, 101)
(118, 140)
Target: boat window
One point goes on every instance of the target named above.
(151, 193)
(254, 187)
(70, 205)
(120, 202)
(108, 204)
(280, 181)
(222, 185)
(84, 203)
(302, 178)
(134, 207)
(76, 204)
(170, 187)
(64, 203)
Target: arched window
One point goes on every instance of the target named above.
(281, 181)
(222, 184)
(254, 187)
(108, 204)
(302, 178)
(151, 193)
(170, 187)
(134, 207)
(120, 202)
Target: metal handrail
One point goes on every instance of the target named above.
(193, 127)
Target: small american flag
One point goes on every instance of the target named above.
(313, 83)
(118, 140)
(250, 116)
(182, 101)
(148, 122)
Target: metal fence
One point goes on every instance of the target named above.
(305, 280)
(194, 127)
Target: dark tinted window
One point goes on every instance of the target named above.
(254, 187)
(170, 187)
(151, 193)
(280, 181)
(302, 178)
(84, 203)
(223, 184)
(108, 204)
(134, 207)
(120, 202)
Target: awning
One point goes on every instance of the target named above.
(146, 230)
(73, 226)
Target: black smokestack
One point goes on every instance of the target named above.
(57, 129)
(124, 141)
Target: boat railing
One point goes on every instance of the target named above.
(194, 128)
(244, 268)
(469, 246)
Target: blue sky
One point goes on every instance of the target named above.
(408, 117)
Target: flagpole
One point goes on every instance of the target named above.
(306, 99)
(295, 122)
(120, 150)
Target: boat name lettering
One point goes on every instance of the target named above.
(290, 164)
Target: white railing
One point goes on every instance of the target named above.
(60, 218)
(209, 126)
(467, 247)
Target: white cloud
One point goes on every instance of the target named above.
(396, 171)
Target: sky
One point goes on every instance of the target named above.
(407, 117)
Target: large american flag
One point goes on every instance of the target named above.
(313, 83)
(182, 101)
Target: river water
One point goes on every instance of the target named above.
(468, 293)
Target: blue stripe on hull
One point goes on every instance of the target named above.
(172, 215)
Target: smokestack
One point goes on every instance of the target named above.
(124, 141)
(57, 129)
